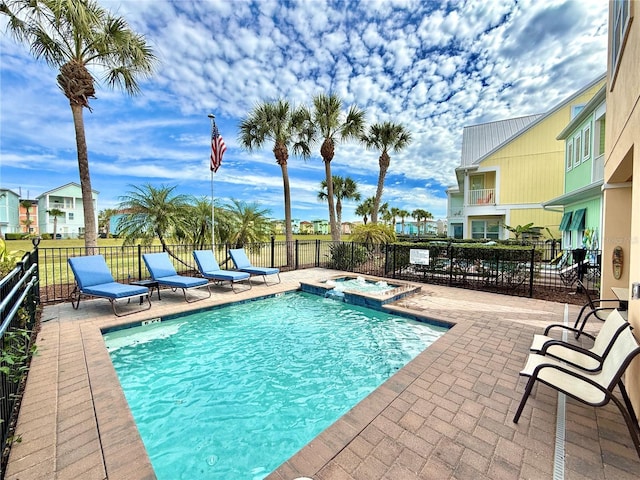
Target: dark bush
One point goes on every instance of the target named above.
(15, 236)
(347, 256)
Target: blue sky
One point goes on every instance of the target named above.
(432, 66)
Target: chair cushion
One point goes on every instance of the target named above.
(159, 265)
(115, 290)
(260, 270)
(180, 281)
(240, 258)
(206, 261)
(90, 270)
(226, 275)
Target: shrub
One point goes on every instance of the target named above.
(373, 234)
(15, 236)
(347, 256)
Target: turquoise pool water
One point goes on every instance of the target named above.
(232, 392)
(360, 284)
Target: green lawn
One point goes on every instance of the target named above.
(126, 264)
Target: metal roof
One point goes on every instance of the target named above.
(478, 140)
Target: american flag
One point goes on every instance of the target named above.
(218, 148)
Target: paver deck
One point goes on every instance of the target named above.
(447, 414)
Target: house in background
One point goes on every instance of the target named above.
(277, 227)
(509, 168)
(321, 227)
(347, 227)
(621, 188)
(68, 200)
(28, 217)
(581, 202)
(306, 228)
(9, 217)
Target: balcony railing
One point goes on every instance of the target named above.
(483, 196)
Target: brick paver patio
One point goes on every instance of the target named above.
(447, 414)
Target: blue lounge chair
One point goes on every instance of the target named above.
(94, 279)
(209, 268)
(163, 272)
(242, 263)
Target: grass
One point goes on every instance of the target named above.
(126, 263)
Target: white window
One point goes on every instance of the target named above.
(70, 216)
(586, 143)
(620, 28)
(577, 149)
(569, 154)
(485, 229)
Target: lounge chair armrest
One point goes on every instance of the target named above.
(602, 300)
(565, 327)
(569, 346)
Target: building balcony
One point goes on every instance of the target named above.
(483, 196)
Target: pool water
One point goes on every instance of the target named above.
(232, 392)
(360, 284)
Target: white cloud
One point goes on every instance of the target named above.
(434, 67)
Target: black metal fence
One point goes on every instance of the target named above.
(19, 292)
(516, 270)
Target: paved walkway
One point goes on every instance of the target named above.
(447, 414)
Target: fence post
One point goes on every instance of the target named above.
(297, 254)
(533, 257)
(393, 275)
(273, 249)
(317, 252)
(352, 263)
(140, 262)
(386, 260)
(450, 248)
(34, 259)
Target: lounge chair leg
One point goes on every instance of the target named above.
(525, 397)
(75, 302)
(184, 291)
(629, 417)
(115, 312)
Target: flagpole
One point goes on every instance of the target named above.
(213, 225)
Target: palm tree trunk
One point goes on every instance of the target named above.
(339, 217)
(376, 202)
(288, 228)
(335, 233)
(90, 232)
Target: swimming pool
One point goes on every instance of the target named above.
(233, 392)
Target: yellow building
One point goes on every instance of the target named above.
(621, 189)
(509, 168)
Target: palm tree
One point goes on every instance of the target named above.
(72, 35)
(420, 214)
(364, 209)
(26, 204)
(55, 213)
(402, 214)
(104, 220)
(194, 228)
(249, 223)
(150, 212)
(286, 127)
(394, 212)
(332, 126)
(384, 212)
(386, 137)
(343, 189)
